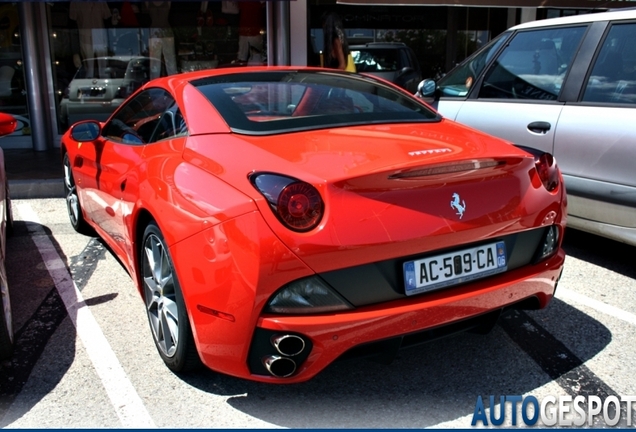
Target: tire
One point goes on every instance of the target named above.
(8, 211)
(73, 206)
(166, 309)
(6, 320)
(8, 216)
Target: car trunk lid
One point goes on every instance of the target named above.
(396, 190)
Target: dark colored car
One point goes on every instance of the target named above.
(392, 61)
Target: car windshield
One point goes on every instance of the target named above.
(376, 60)
(260, 103)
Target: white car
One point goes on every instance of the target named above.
(565, 86)
(95, 92)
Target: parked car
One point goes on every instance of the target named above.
(7, 125)
(276, 219)
(100, 85)
(392, 61)
(565, 86)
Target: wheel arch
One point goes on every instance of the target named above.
(144, 217)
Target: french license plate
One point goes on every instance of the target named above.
(453, 268)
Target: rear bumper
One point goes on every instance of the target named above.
(331, 336)
(228, 272)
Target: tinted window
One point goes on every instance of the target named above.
(613, 77)
(460, 80)
(136, 121)
(170, 125)
(275, 102)
(533, 65)
(377, 60)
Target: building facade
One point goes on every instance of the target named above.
(62, 61)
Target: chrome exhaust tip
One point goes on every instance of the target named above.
(288, 345)
(280, 367)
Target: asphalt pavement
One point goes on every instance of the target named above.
(85, 357)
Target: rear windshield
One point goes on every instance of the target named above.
(260, 103)
(102, 68)
(376, 60)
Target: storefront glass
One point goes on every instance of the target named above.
(425, 29)
(104, 51)
(13, 99)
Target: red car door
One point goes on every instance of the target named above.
(104, 171)
(116, 165)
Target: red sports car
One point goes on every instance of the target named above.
(277, 219)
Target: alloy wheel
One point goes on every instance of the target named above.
(72, 202)
(160, 295)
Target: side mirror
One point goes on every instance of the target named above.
(426, 89)
(85, 131)
(405, 70)
(7, 124)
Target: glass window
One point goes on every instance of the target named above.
(613, 77)
(459, 81)
(532, 65)
(276, 102)
(13, 93)
(377, 60)
(135, 123)
(104, 51)
(171, 124)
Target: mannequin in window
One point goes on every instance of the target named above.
(161, 39)
(93, 38)
(251, 22)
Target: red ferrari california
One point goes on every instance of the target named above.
(277, 219)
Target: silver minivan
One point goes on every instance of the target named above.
(565, 86)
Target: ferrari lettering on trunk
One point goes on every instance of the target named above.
(453, 268)
(431, 151)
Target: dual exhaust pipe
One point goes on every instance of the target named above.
(287, 345)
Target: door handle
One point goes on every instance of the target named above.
(539, 127)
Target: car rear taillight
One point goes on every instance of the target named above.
(297, 204)
(546, 167)
(548, 171)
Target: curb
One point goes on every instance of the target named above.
(26, 189)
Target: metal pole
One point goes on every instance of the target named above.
(30, 49)
(271, 33)
(282, 46)
(47, 80)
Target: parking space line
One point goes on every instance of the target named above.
(123, 396)
(557, 361)
(566, 294)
